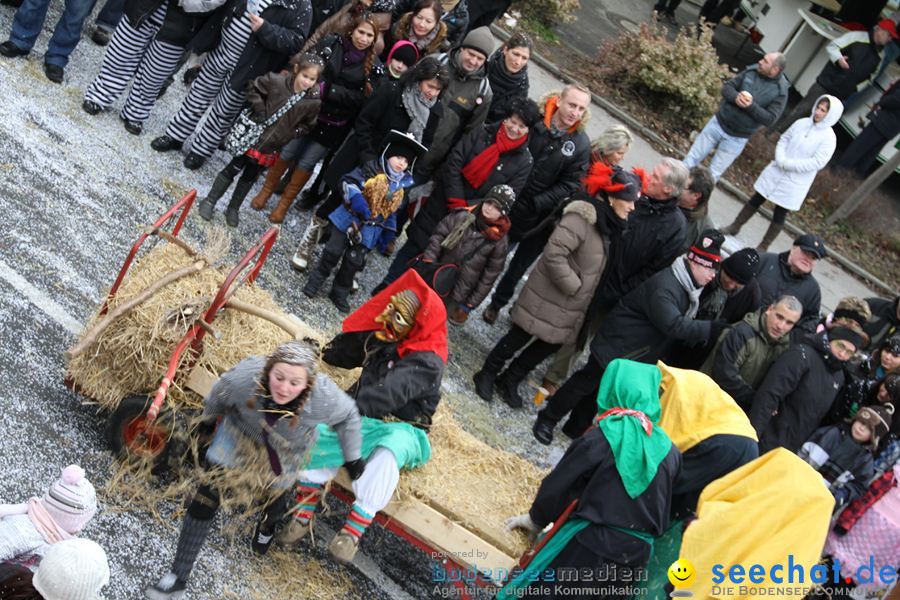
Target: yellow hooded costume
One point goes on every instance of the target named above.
(695, 408)
(759, 514)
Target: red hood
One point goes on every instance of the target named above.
(429, 334)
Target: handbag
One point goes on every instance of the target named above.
(441, 277)
(246, 132)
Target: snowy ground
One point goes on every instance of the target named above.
(74, 192)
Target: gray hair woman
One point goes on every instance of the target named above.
(274, 402)
(611, 145)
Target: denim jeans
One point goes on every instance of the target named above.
(110, 14)
(304, 152)
(29, 21)
(713, 137)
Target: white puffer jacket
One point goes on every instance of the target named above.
(802, 151)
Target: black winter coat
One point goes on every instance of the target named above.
(862, 55)
(178, 27)
(345, 92)
(886, 116)
(587, 471)
(287, 23)
(512, 169)
(775, 279)
(796, 394)
(646, 323)
(848, 467)
(655, 236)
(480, 259)
(884, 322)
(560, 161)
(408, 388)
(506, 87)
(383, 112)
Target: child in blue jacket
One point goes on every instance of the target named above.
(372, 195)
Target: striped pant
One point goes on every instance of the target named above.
(135, 53)
(210, 88)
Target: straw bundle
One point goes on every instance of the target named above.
(132, 354)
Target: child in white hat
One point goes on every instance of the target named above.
(33, 526)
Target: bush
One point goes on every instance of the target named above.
(681, 77)
(549, 13)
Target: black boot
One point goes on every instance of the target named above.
(353, 262)
(484, 384)
(237, 198)
(508, 388)
(219, 187)
(318, 276)
(543, 430)
(309, 199)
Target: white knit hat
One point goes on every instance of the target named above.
(73, 569)
(72, 500)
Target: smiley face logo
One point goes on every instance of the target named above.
(682, 573)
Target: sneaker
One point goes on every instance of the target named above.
(10, 50)
(292, 533)
(165, 143)
(91, 107)
(343, 548)
(54, 73)
(193, 161)
(205, 209)
(170, 586)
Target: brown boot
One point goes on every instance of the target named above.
(298, 180)
(272, 178)
(742, 217)
(769, 237)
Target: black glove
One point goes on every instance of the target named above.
(715, 330)
(206, 428)
(355, 468)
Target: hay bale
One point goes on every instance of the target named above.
(131, 355)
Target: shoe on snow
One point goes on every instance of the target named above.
(170, 586)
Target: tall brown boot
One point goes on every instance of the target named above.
(770, 235)
(742, 217)
(273, 175)
(298, 180)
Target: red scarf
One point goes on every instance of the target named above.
(478, 169)
(492, 230)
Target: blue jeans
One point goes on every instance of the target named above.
(304, 152)
(29, 21)
(110, 14)
(713, 137)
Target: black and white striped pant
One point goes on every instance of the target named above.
(210, 88)
(135, 52)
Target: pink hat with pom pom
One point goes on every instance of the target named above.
(71, 501)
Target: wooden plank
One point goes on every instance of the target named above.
(201, 381)
(444, 536)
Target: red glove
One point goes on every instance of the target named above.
(454, 203)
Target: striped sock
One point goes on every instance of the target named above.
(357, 522)
(308, 494)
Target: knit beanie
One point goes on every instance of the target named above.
(892, 385)
(706, 250)
(73, 569)
(404, 51)
(855, 309)
(481, 40)
(743, 265)
(876, 418)
(503, 196)
(71, 501)
(892, 345)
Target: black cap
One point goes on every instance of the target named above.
(812, 244)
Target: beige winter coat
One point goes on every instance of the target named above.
(553, 302)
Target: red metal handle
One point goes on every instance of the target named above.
(529, 555)
(194, 337)
(183, 205)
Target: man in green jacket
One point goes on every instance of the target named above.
(744, 352)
